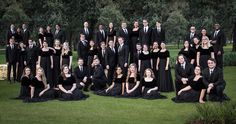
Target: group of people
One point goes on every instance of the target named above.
(124, 63)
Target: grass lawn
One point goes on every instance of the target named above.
(99, 109)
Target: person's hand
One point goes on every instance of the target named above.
(69, 92)
(85, 80)
(210, 85)
(219, 53)
(125, 65)
(107, 90)
(209, 89)
(51, 66)
(107, 66)
(149, 91)
(179, 92)
(82, 84)
(128, 91)
(41, 93)
(157, 68)
(167, 68)
(25, 63)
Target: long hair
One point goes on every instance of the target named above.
(62, 73)
(152, 73)
(115, 74)
(208, 44)
(24, 74)
(65, 51)
(129, 72)
(44, 79)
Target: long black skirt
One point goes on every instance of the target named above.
(187, 96)
(48, 95)
(56, 70)
(76, 95)
(24, 92)
(115, 91)
(136, 93)
(152, 95)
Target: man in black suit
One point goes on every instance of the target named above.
(110, 60)
(123, 55)
(99, 79)
(218, 42)
(158, 33)
(137, 53)
(214, 81)
(32, 56)
(145, 34)
(81, 74)
(102, 54)
(83, 48)
(25, 34)
(189, 37)
(11, 33)
(59, 34)
(101, 35)
(125, 33)
(86, 31)
(11, 59)
(183, 73)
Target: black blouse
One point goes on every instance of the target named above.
(25, 81)
(37, 84)
(190, 54)
(206, 51)
(143, 56)
(92, 52)
(111, 33)
(149, 84)
(164, 55)
(131, 80)
(45, 53)
(41, 36)
(69, 81)
(197, 85)
(155, 55)
(135, 33)
(58, 52)
(120, 80)
(64, 55)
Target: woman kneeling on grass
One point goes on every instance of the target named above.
(149, 86)
(39, 88)
(67, 86)
(191, 92)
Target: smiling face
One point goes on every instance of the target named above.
(211, 64)
(196, 41)
(145, 48)
(80, 62)
(186, 44)
(148, 73)
(197, 70)
(136, 24)
(27, 71)
(155, 45)
(192, 29)
(163, 45)
(57, 43)
(132, 68)
(91, 43)
(66, 70)
(181, 59)
(110, 25)
(39, 72)
(118, 70)
(45, 44)
(145, 23)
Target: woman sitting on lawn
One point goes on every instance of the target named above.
(195, 91)
(25, 84)
(67, 86)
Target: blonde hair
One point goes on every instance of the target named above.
(129, 72)
(208, 41)
(65, 50)
(44, 79)
(152, 73)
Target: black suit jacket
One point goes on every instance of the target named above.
(26, 36)
(60, 35)
(158, 36)
(126, 37)
(88, 36)
(123, 55)
(100, 38)
(102, 58)
(32, 55)
(79, 75)
(111, 57)
(190, 40)
(220, 41)
(216, 77)
(82, 50)
(145, 38)
(99, 73)
(11, 54)
(188, 72)
(10, 35)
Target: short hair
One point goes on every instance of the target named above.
(139, 44)
(120, 38)
(80, 59)
(212, 59)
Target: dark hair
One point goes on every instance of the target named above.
(80, 59)
(62, 73)
(115, 74)
(212, 59)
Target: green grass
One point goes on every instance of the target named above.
(99, 109)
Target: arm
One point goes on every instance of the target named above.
(198, 58)
(167, 63)
(212, 55)
(70, 64)
(31, 91)
(139, 65)
(47, 87)
(73, 87)
(123, 88)
(62, 88)
(158, 61)
(51, 58)
(39, 60)
(136, 86)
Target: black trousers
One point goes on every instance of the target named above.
(110, 76)
(99, 84)
(9, 66)
(219, 60)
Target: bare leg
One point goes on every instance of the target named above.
(184, 89)
(202, 94)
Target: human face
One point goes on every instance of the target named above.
(123, 25)
(196, 41)
(192, 29)
(138, 47)
(86, 24)
(211, 64)
(132, 69)
(91, 43)
(186, 44)
(145, 23)
(197, 70)
(158, 24)
(111, 43)
(58, 27)
(148, 73)
(121, 41)
(110, 25)
(203, 32)
(96, 62)
(45, 44)
(27, 71)
(155, 45)
(57, 43)
(80, 62)
(66, 70)
(145, 48)
(181, 59)
(136, 24)
(39, 72)
(118, 71)
(163, 45)
(48, 28)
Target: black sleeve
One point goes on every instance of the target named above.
(60, 80)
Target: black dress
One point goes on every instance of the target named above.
(154, 57)
(49, 38)
(153, 94)
(116, 90)
(25, 88)
(193, 94)
(111, 34)
(41, 36)
(66, 58)
(195, 50)
(205, 54)
(56, 66)
(134, 36)
(91, 54)
(45, 63)
(145, 62)
(21, 65)
(165, 77)
(131, 82)
(67, 84)
(18, 37)
(189, 54)
(38, 87)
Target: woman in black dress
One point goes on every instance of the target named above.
(198, 87)
(56, 61)
(149, 86)
(118, 85)
(41, 36)
(18, 36)
(165, 78)
(133, 86)
(21, 60)
(66, 55)
(154, 57)
(25, 84)
(92, 53)
(195, 49)
(205, 52)
(188, 52)
(67, 86)
(144, 61)
(111, 34)
(45, 61)
(134, 36)
(49, 36)
(39, 88)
